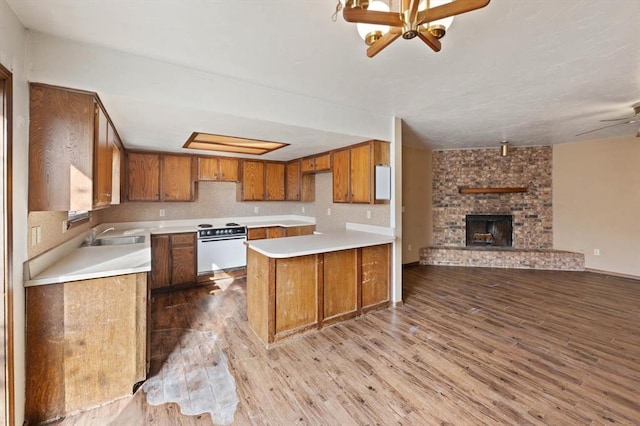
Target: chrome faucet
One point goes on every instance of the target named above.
(93, 236)
(104, 232)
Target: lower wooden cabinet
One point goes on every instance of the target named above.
(286, 296)
(86, 344)
(279, 232)
(340, 285)
(173, 260)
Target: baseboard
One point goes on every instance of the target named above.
(411, 263)
(615, 274)
(397, 304)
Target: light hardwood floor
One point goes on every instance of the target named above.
(470, 346)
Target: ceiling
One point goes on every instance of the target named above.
(533, 72)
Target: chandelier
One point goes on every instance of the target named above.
(428, 20)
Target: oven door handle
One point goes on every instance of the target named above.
(212, 240)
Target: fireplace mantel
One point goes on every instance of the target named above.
(464, 190)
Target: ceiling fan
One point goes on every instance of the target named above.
(412, 20)
(635, 118)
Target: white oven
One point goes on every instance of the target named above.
(221, 248)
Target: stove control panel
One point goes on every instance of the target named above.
(222, 232)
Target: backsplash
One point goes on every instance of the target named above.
(218, 199)
(51, 230)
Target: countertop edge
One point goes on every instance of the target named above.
(61, 279)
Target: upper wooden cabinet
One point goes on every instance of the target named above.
(219, 169)
(160, 177)
(262, 181)
(71, 156)
(274, 181)
(354, 172)
(253, 181)
(317, 163)
(298, 186)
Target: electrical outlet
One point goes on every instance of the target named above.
(409, 247)
(256, 209)
(368, 214)
(161, 212)
(65, 226)
(302, 209)
(329, 212)
(596, 252)
(34, 235)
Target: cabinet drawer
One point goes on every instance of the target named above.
(183, 239)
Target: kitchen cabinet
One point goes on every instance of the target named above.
(299, 187)
(173, 260)
(103, 162)
(86, 344)
(177, 177)
(219, 169)
(375, 276)
(160, 177)
(316, 163)
(252, 187)
(294, 231)
(262, 181)
(340, 285)
(274, 181)
(354, 172)
(287, 296)
(279, 232)
(71, 151)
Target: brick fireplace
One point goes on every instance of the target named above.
(479, 183)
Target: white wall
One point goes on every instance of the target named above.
(596, 202)
(13, 42)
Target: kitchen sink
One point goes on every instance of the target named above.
(115, 241)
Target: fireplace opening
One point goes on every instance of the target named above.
(489, 230)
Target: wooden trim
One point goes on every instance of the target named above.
(320, 281)
(271, 307)
(614, 274)
(7, 80)
(491, 190)
(359, 281)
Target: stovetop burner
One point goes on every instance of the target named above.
(205, 225)
(232, 224)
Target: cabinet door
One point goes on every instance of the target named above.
(323, 162)
(160, 261)
(252, 181)
(143, 176)
(308, 165)
(61, 139)
(116, 164)
(177, 178)
(341, 176)
(229, 170)
(208, 168)
(183, 265)
(375, 275)
(295, 231)
(296, 293)
(276, 232)
(257, 233)
(293, 181)
(103, 161)
(340, 283)
(360, 175)
(275, 181)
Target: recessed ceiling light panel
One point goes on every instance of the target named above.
(232, 144)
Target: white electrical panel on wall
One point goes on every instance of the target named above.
(383, 183)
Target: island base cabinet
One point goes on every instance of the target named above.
(376, 275)
(85, 344)
(340, 285)
(287, 296)
(295, 295)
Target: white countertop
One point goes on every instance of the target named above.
(318, 243)
(72, 262)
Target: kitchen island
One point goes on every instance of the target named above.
(300, 283)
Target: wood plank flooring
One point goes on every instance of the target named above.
(470, 346)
